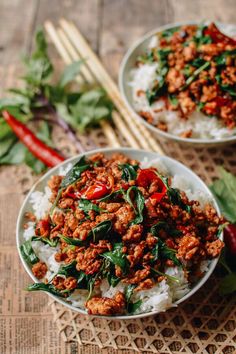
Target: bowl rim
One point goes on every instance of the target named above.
(122, 83)
(113, 150)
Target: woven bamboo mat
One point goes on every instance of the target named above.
(206, 323)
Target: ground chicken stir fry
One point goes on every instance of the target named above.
(196, 71)
(113, 220)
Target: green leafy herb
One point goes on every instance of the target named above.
(69, 270)
(173, 100)
(71, 240)
(146, 58)
(43, 103)
(117, 257)
(101, 230)
(28, 253)
(86, 205)
(195, 74)
(129, 172)
(51, 242)
(75, 172)
(161, 250)
(135, 198)
(224, 190)
(131, 306)
(228, 284)
(222, 58)
(168, 33)
(200, 38)
(160, 86)
(48, 288)
(170, 277)
(112, 195)
(70, 72)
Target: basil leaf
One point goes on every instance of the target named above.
(195, 75)
(71, 240)
(117, 257)
(86, 205)
(28, 253)
(131, 306)
(112, 195)
(48, 288)
(75, 172)
(129, 172)
(221, 59)
(51, 242)
(101, 230)
(168, 33)
(112, 279)
(168, 253)
(224, 190)
(70, 72)
(228, 284)
(137, 203)
(69, 270)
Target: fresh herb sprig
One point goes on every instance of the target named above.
(41, 103)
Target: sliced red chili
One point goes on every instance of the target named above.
(96, 191)
(217, 36)
(74, 195)
(146, 177)
(159, 195)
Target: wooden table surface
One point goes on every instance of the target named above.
(110, 26)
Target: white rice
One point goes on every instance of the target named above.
(202, 126)
(159, 298)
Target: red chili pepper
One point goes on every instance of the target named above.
(217, 36)
(230, 238)
(40, 150)
(146, 177)
(74, 195)
(219, 102)
(96, 191)
(159, 195)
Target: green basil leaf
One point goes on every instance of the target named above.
(101, 230)
(51, 242)
(117, 257)
(71, 240)
(86, 205)
(137, 202)
(75, 172)
(70, 72)
(131, 306)
(224, 190)
(168, 33)
(28, 253)
(228, 284)
(48, 288)
(129, 172)
(195, 74)
(69, 270)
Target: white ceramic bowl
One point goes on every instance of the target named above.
(128, 63)
(174, 167)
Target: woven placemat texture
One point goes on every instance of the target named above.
(206, 323)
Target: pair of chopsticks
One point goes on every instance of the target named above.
(72, 46)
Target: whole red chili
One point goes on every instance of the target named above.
(217, 36)
(40, 150)
(96, 191)
(230, 238)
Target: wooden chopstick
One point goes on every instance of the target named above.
(107, 129)
(91, 79)
(105, 80)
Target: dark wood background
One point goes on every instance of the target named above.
(110, 26)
